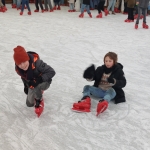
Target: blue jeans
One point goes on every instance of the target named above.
(91, 4)
(140, 10)
(23, 5)
(97, 92)
(111, 5)
(18, 3)
(83, 6)
(71, 5)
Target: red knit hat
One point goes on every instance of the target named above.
(20, 55)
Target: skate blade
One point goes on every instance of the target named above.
(80, 110)
(101, 110)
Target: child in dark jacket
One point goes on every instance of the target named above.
(142, 6)
(36, 76)
(85, 4)
(109, 81)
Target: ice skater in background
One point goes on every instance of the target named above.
(85, 5)
(57, 3)
(2, 8)
(36, 76)
(111, 5)
(108, 80)
(101, 8)
(37, 6)
(142, 6)
(71, 5)
(46, 3)
(25, 2)
(130, 8)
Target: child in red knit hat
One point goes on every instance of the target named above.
(36, 76)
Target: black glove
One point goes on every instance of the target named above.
(89, 73)
(111, 80)
(35, 82)
(25, 89)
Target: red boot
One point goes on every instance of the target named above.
(5, 8)
(99, 15)
(145, 26)
(14, 6)
(135, 16)
(29, 13)
(136, 26)
(82, 106)
(81, 15)
(90, 15)
(39, 107)
(51, 10)
(42, 11)
(54, 8)
(101, 106)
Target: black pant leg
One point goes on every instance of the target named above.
(36, 4)
(40, 2)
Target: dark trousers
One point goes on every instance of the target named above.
(37, 6)
(25, 2)
(125, 8)
(100, 6)
(130, 13)
(3, 1)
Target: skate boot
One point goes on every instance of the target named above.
(14, 6)
(106, 12)
(136, 26)
(99, 15)
(90, 15)
(39, 107)
(81, 15)
(135, 16)
(51, 10)
(36, 10)
(21, 13)
(83, 105)
(145, 26)
(101, 106)
(29, 13)
(54, 8)
(58, 8)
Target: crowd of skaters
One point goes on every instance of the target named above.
(131, 7)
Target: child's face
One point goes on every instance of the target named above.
(24, 65)
(109, 62)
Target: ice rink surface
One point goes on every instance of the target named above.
(70, 44)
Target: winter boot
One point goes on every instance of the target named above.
(39, 107)
(90, 15)
(81, 15)
(83, 105)
(29, 13)
(101, 106)
(99, 15)
(145, 26)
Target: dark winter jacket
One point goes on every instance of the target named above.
(86, 2)
(37, 68)
(143, 3)
(117, 74)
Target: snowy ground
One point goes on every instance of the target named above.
(70, 44)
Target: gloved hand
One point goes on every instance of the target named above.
(35, 82)
(25, 89)
(89, 73)
(111, 80)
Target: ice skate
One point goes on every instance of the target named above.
(39, 107)
(145, 26)
(99, 15)
(90, 15)
(101, 106)
(81, 15)
(136, 26)
(29, 13)
(83, 105)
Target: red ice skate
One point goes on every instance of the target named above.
(145, 26)
(39, 107)
(81, 15)
(136, 26)
(54, 8)
(83, 105)
(106, 12)
(36, 10)
(99, 15)
(101, 106)
(21, 13)
(29, 13)
(58, 8)
(90, 15)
